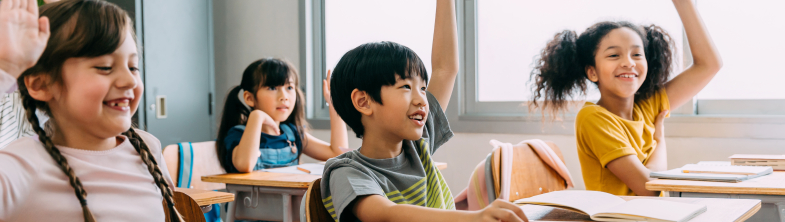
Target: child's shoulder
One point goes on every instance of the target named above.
(152, 142)
(27, 150)
(592, 113)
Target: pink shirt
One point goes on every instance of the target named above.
(119, 187)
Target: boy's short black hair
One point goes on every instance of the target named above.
(367, 68)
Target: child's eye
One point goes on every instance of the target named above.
(290, 88)
(406, 87)
(272, 88)
(104, 68)
(422, 88)
(133, 69)
(613, 56)
(638, 54)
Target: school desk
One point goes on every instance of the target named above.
(267, 196)
(769, 189)
(717, 210)
(207, 197)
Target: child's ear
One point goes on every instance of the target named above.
(249, 98)
(362, 102)
(38, 88)
(591, 73)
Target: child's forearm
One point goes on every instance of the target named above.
(704, 53)
(444, 56)
(407, 212)
(246, 154)
(339, 137)
(658, 161)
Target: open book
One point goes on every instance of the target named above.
(601, 206)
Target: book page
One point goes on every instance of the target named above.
(746, 170)
(648, 209)
(587, 202)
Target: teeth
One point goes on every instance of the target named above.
(627, 76)
(417, 117)
(123, 104)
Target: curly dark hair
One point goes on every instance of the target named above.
(560, 70)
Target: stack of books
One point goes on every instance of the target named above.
(776, 162)
(713, 172)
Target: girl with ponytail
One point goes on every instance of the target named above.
(621, 137)
(89, 164)
(263, 121)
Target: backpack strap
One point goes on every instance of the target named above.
(186, 165)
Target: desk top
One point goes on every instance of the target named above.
(717, 210)
(207, 197)
(269, 179)
(773, 184)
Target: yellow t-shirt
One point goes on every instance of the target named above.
(604, 136)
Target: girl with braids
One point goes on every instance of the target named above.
(90, 164)
(621, 137)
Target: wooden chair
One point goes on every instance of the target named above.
(531, 176)
(203, 160)
(314, 207)
(187, 207)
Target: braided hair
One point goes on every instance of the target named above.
(84, 28)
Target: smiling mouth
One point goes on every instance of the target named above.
(628, 76)
(117, 104)
(417, 117)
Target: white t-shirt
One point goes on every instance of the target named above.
(119, 187)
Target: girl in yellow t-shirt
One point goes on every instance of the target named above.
(620, 138)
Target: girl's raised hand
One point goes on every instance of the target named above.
(326, 89)
(23, 35)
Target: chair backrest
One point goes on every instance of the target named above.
(531, 176)
(203, 161)
(314, 207)
(187, 207)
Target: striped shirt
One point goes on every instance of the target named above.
(409, 178)
(13, 124)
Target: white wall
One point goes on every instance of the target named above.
(246, 30)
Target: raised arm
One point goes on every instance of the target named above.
(23, 38)
(706, 58)
(339, 137)
(444, 54)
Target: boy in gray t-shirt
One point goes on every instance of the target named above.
(379, 90)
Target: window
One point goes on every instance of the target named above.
(511, 34)
(350, 23)
(749, 37)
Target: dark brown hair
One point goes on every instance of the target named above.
(267, 72)
(84, 28)
(560, 70)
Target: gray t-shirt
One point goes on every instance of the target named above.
(409, 178)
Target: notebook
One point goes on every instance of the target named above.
(601, 206)
(314, 168)
(776, 162)
(716, 173)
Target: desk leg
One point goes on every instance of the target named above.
(232, 207)
(287, 207)
(781, 210)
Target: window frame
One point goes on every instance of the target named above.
(757, 119)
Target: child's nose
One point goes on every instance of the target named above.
(127, 80)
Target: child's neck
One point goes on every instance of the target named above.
(622, 107)
(378, 145)
(75, 137)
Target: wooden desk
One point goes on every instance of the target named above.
(769, 189)
(207, 197)
(717, 210)
(277, 192)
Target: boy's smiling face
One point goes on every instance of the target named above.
(403, 111)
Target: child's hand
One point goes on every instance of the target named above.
(268, 124)
(659, 126)
(326, 89)
(501, 210)
(23, 35)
